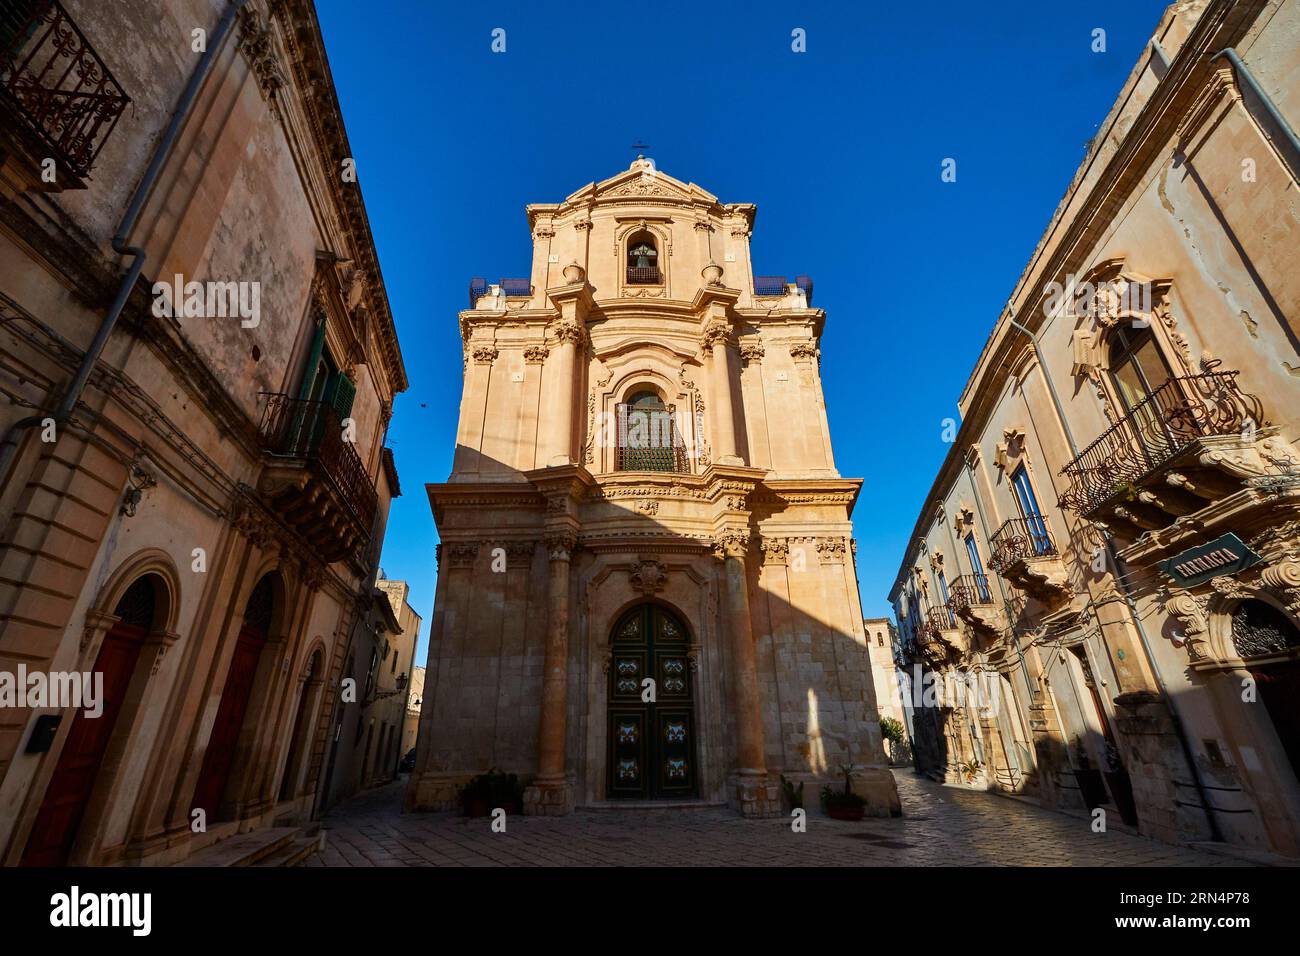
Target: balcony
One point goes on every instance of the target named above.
(314, 479)
(57, 97)
(1194, 440)
(940, 636)
(1025, 553)
(970, 599)
(649, 275)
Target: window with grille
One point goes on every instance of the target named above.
(648, 437)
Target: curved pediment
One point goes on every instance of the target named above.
(631, 345)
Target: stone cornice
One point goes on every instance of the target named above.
(810, 491)
(299, 31)
(481, 494)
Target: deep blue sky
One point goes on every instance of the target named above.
(840, 147)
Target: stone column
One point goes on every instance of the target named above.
(551, 792)
(752, 793)
(724, 419)
(574, 302)
(559, 411)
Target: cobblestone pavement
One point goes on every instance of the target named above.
(941, 826)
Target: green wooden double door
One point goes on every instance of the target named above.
(651, 742)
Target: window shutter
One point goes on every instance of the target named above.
(313, 359)
(344, 392)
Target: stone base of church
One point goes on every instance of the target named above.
(755, 796)
(549, 798)
(428, 792)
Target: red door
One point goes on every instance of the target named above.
(74, 776)
(230, 719)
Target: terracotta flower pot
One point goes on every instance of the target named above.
(843, 811)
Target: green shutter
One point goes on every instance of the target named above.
(313, 359)
(343, 393)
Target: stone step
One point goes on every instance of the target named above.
(650, 806)
(295, 852)
(245, 849)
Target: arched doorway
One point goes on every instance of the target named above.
(1260, 630)
(220, 752)
(651, 745)
(57, 822)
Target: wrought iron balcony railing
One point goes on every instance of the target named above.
(310, 430)
(1164, 424)
(1020, 539)
(52, 76)
(936, 619)
(646, 276)
(969, 590)
(649, 439)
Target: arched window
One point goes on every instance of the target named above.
(643, 260)
(648, 439)
(1136, 365)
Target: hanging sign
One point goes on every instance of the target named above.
(1225, 555)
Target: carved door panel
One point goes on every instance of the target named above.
(651, 742)
(69, 790)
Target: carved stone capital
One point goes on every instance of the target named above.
(560, 545)
(731, 543)
(831, 550)
(803, 351)
(485, 354)
(568, 332)
(714, 334)
(776, 551)
(536, 354)
(257, 45)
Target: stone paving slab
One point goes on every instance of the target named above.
(941, 826)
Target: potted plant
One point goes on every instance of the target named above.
(970, 769)
(793, 794)
(845, 804)
(490, 791)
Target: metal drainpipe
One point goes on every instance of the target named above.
(1120, 575)
(1244, 73)
(63, 411)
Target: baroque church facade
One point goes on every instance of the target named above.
(646, 586)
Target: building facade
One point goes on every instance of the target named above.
(414, 702)
(394, 684)
(1109, 558)
(646, 584)
(197, 364)
(883, 648)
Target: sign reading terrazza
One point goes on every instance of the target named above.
(1225, 555)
